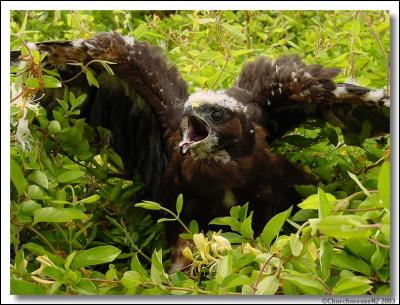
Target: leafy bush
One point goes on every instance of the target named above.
(75, 228)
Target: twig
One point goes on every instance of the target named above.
(378, 243)
(44, 239)
(359, 210)
(343, 203)
(132, 243)
(17, 96)
(352, 54)
(260, 274)
(228, 53)
(83, 69)
(323, 283)
(382, 50)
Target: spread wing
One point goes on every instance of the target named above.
(290, 92)
(141, 104)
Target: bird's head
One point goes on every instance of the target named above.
(217, 124)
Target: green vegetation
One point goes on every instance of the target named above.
(75, 228)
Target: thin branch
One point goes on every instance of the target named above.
(228, 52)
(343, 203)
(360, 210)
(323, 283)
(44, 239)
(378, 243)
(260, 274)
(382, 50)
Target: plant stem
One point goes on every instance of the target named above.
(228, 52)
(382, 50)
(176, 218)
(44, 239)
(260, 274)
(343, 203)
(302, 227)
(378, 243)
(359, 210)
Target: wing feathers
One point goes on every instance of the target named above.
(142, 104)
(141, 65)
(291, 92)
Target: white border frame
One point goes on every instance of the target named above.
(7, 6)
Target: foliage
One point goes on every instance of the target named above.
(75, 228)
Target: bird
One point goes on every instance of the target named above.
(212, 146)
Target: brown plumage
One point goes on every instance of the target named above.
(210, 146)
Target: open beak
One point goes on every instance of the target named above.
(195, 131)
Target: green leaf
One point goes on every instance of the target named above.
(366, 131)
(160, 220)
(325, 257)
(29, 206)
(227, 221)
(39, 178)
(245, 227)
(305, 190)
(304, 282)
(312, 202)
(179, 204)
(17, 177)
(354, 285)
(76, 102)
(350, 262)
(32, 83)
(324, 208)
(92, 79)
(379, 257)
(205, 20)
(20, 261)
(40, 250)
(51, 214)
(354, 177)
(140, 30)
(54, 127)
(70, 175)
(233, 30)
(296, 246)
(35, 192)
(51, 82)
(224, 268)
(384, 184)
(54, 272)
(234, 280)
(86, 286)
(131, 279)
(268, 285)
(194, 226)
(236, 53)
(90, 199)
(69, 259)
(297, 140)
(274, 225)
(21, 287)
(149, 205)
(157, 273)
(95, 256)
(344, 226)
(383, 290)
(137, 266)
(116, 191)
(355, 29)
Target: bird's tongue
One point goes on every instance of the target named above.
(185, 147)
(196, 132)
(185, 144)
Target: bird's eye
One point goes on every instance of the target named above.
(217, 115)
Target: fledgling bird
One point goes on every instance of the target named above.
(210, 146)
